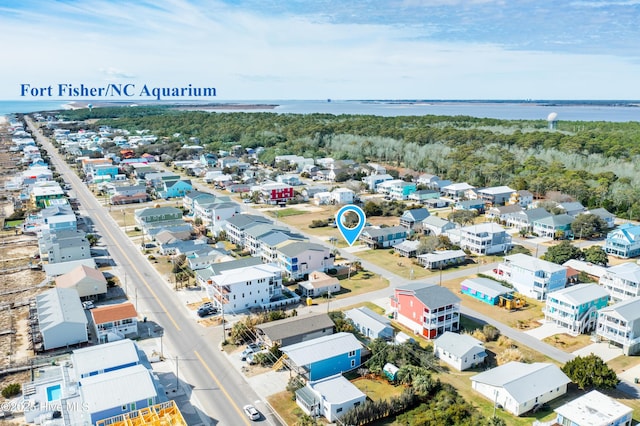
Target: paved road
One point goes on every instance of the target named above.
(203, 369)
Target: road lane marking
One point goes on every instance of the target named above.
(224, 391)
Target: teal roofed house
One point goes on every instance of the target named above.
(174, 189)
(624, 241)
(157, 215)
(576, 307)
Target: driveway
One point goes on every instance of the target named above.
(547, 329)
(602, 349)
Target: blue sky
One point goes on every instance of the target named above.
(356, 49)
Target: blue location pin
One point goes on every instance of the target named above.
(350, 234)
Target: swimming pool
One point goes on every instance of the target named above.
(53, 393)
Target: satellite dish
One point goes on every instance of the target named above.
(552, 117)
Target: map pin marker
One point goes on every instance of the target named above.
(350, 235)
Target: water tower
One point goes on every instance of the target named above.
(553, 120)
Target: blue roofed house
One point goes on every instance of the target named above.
(554, 226)
(412, 219)
(485, 290)
(330, 397)
(624, 241)
(370, 324)
(468, 205)
(461, 351)
(576, 308)
(375, 237)
(325, 356)
(531, 276)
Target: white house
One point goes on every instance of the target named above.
(594, 409)
(461, 351)
(115, 322)
(620, 325)
(342, 196)
(496, 195)
(330, 397)
(434, 225)
(622, 281)
(61, 318)
(531, 276)
(370, 324)
(485, 238)
(319, 284)
(322, 198)
(576, 307)
(456, 191)
(300, 258)
(520, 387)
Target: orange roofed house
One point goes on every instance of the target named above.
(115, 322)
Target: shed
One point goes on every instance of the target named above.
(390, 371)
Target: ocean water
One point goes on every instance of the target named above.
(619, 111)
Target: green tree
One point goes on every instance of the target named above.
(11, 389)
(372, 209)
(596, 255)
(562, 252)
(588, 226)
(463, 217)
(93, 239)
(590, 372)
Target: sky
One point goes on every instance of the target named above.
(319, 49)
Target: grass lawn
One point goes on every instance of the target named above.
(377, 388)
(281, 213)
(375, 308)
(401, 266)
(361, 282)
(623, 363)
(286, 407)
(13, 223)
(568, 343)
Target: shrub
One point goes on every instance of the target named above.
(508, 355)
(490, 332)
(318, 223)
(12, 389)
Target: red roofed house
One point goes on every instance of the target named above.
(115, 322)
(89, 282)
(427, 309)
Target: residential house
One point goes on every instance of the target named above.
(157, 215)
(485, 238)
(526, 218)
(412, 219)
(51, 219)
(519, 387)
(128, 194)
(427, 180)
(455, 191)
(291, 180)
(407, 248)
(376, 237)
(594, 271)
(576, 307)
(252, 236)
(442, 259)
(115, 322)
(522, 197)
(61, 319)
(372, 181)
(496, 195)
(624, 241)
(299, 258)
(554, 226)
(243, 288)
(203, 276)
(214, 215)
(502, 213)
(276, 193)
(189, 200)
(296, 329)
(434, 225)
(485, 290)
(318, 285)
(376, 169)
(423, 195)
(573, 208)
(531, 276)
(270, 242)
(322, 198)
(89, 282)
(175, 188)
(208, 159)
(370, 324)
(594, 409)
(476, 204)
(402, 190)
(156, 179)
(64, 246)
(609, 218)
(330, 397)
(427, 309)
(460, 351)
(309, 192)
(324, 356)
(620, 325)
(341, 196)
(211, 174)
(227, 162)
(622, 281)
(42, 192)
(385, 187)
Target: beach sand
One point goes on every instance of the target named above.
(4, 120)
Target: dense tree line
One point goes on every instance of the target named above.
(594, 162)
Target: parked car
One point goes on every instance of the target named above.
(207, 310)
(206, 305)
(251, 348)
(251, 412)
(88, 305)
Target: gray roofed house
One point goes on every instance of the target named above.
(370, 324)
(524, 219)
(503, 212)
(550, 225)
(594, 409)
(296, 329)
(237, 224)
(573, 208)
(61, 318)
(338, 396)
(441, 259)
(519, 387)
(432, 295)
(407, 248)
(300, 258)
(484, 289)
(434, 225)
(622, 281)
(461, 351)
(383, 237)
(605, 215)
(620, 325)
(412, 219)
